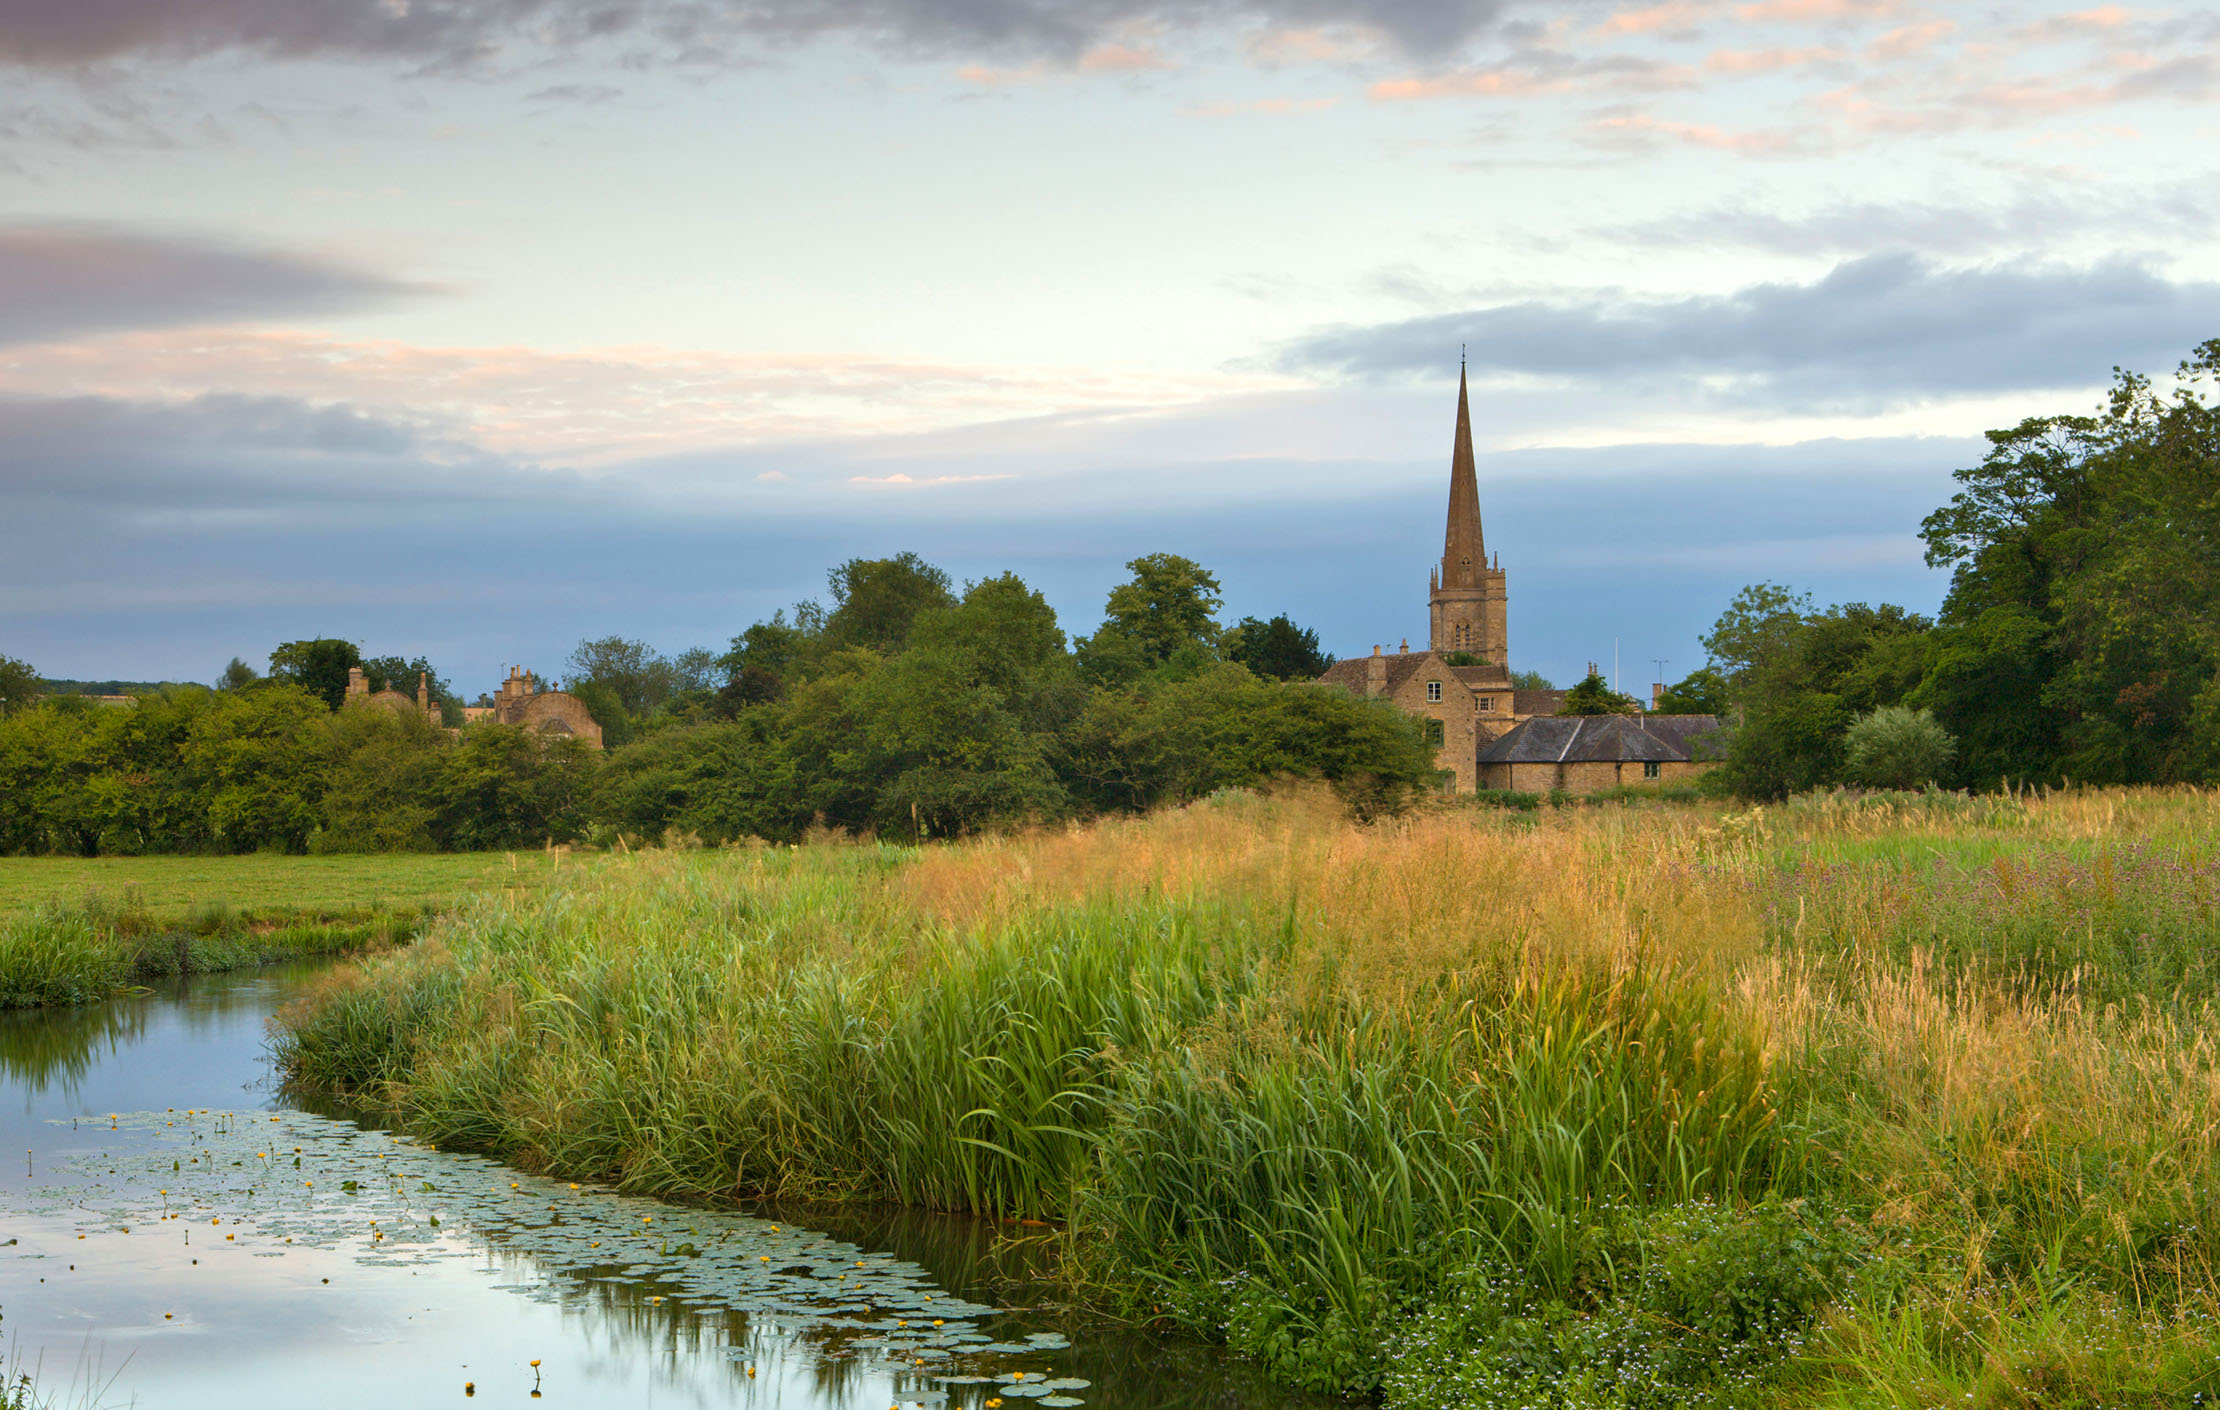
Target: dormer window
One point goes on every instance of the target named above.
(1487, 704)
(1433, 691)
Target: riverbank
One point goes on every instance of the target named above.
(73, 930)
(1853, 1102)
(82, 954)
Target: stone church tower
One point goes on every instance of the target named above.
(1467, 604)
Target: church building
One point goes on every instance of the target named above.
(1460, 686)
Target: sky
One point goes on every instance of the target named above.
(475, 328)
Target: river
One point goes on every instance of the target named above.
(176, 1232)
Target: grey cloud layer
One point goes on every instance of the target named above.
(1883, 329)
(60, 281)
(461, 32)
(2187, 209)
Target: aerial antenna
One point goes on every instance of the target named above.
(1660, 663)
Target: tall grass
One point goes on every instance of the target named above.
(55, 955)
(1658, 1104)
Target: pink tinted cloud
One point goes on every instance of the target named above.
(1753, 61)
(1906, 41)
(1469, 83)
(1643, 130)
(1122, 58)
(1670, 15)
(1227, 108)
(1806, 11)
(586, 408)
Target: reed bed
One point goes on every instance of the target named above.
(57, 955)
(1883, 1100)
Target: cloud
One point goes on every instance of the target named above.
(64, 281)
(595, 406)
(1642, 130)
(1755, 61)
(461, 33)
(1907, 40)
(1537, 72)
(1672, 16)
(1883, 330)
(2037, 222)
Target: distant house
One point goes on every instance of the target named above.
(1587, 753)
(554, 713)
(359, 691)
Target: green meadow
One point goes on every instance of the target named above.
(73, 930)
(173, 887)
(1893, 1100)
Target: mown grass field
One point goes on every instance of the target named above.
(177, 887)
(1893, 1101)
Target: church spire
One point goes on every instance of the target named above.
(1464, 554)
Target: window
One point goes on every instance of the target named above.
(1649, 768)
(1487, 703)
(1434, 733)
(1433, 691)
(1464, 636)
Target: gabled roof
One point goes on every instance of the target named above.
(1605, 739)
(1352, 674)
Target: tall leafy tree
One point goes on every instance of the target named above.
(1278, 649)
(1165, 615)
(2081, 635)
(874, 600)
(319, 666)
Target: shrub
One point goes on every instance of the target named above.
(1895, 747)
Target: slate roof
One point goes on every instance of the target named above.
(1537, 702)
(1601, 739)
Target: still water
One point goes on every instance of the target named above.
(174, 1232)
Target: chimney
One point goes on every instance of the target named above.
(1375, 673)
(1406, 646)
(1657, 694)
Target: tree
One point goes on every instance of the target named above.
(1804, 676)
(237, 676)
(2081, 634)
(1530, 680)
(628, 673)
(1896, 747)
(1165, 615)
(1277, 650)
(1756, 625)
(19, 685)
(1703, 691)
(1593, 697)
(874, 600)
(319, 667)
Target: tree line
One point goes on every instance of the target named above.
(2079, 640)
(901, 705)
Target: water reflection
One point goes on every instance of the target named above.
(296, 1294)
(39, 1050)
